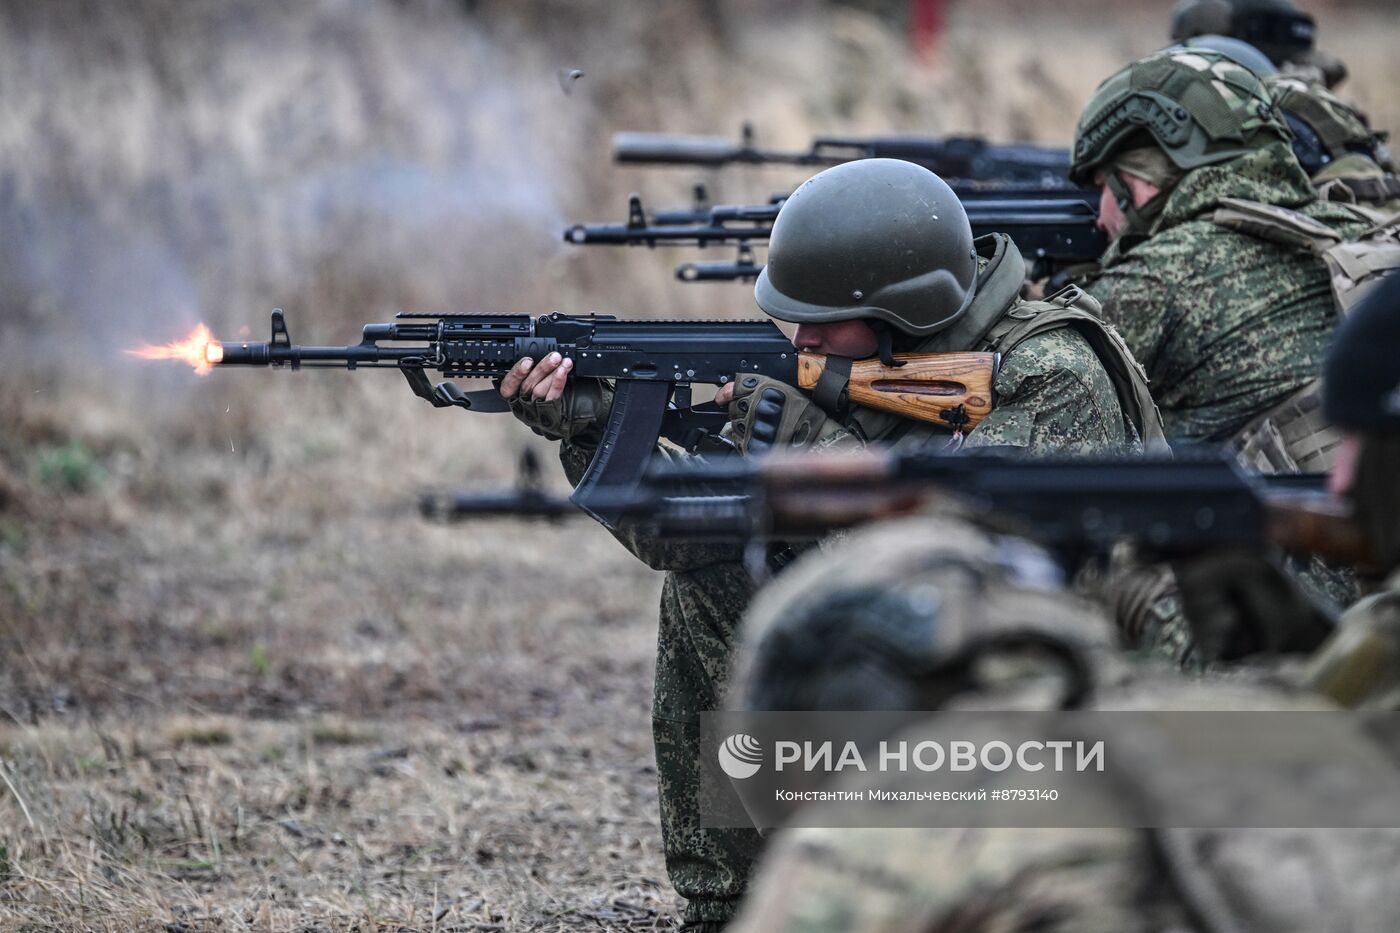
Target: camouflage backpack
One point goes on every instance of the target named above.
(1294, 436)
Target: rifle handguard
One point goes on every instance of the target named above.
(953, 390)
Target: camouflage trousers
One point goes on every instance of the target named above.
(700, 614)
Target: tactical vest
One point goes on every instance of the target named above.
(1293, 437)
(1075, 308)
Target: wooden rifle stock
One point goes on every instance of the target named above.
(948, 389)
(1317, 524)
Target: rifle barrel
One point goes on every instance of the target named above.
(713, 151)
(269, 354)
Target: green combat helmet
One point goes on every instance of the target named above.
(1198, 106)
(881, 240)
(896, 616)
(1326, 129)
(1237, 50)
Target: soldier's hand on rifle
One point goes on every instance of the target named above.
(766, 413)
(540, 395)
(1240, 604)
(542, 383)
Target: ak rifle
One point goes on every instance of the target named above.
(1051, 232)
(965, 158)
(651, 364)
(1076, 507)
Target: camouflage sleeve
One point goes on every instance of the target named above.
(1053, 396)
(655, 552)
(1135, 301)
(1146, 606)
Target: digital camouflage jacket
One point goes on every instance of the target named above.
(1226, 324)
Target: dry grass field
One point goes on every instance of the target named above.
(242, 684)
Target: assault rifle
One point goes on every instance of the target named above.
(653, 365)
(967, 158)
(1076, 507)
(701, 208)
(1051, 232)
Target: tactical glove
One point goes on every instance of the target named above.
(577, 416)
(766, 413)
(1239, 604)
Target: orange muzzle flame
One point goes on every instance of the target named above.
(200, 349)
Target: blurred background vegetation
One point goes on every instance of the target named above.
(240, 682)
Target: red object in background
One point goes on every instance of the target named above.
(925, 27)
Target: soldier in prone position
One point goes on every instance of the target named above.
(869, 257)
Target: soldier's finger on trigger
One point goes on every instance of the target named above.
(725, 395)
(510, 385)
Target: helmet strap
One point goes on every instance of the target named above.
(1140, 219)
(884, 333)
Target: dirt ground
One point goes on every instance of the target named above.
(242, 684)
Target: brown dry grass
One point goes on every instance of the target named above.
(243, 686)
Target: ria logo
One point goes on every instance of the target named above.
(740, 756)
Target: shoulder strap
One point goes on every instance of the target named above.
(1276, 224)
(1075, 308)
(1355, 265)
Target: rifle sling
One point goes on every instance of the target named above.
(830, 390)
(446, 394)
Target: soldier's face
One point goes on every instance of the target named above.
(1111, 219)
(854, 339)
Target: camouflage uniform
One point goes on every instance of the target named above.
(818, 880)
(939, 582)
(1083, 880)
(1230, 326)
(1053, 395)
(1227, 325)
